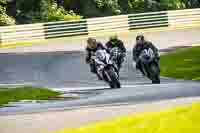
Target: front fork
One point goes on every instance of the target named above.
(102, 72)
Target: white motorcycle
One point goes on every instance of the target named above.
(106, 68)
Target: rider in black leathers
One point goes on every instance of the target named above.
(142, 44)
(115, 42)
(92, 47)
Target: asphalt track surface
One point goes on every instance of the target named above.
(64, 70)
(67, 71)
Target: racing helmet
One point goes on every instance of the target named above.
(91, 43)
(140, 37)
(113, 39)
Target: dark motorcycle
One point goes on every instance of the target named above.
(117, 56)
(106, 68)
(150, 65)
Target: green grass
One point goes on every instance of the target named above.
(25, 93)
(182, 64)
(179, 120)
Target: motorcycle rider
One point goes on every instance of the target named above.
(142, 44)
(92, 47)
(115, 42)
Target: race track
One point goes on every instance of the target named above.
(57, 69)
(67, 71)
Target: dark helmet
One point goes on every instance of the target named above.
(140, 37)
(91, 43)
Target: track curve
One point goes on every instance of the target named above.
(67, 71)
(63, 70)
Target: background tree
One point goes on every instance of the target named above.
(42, 11)
(5, 19)
(34, 11)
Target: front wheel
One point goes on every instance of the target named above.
(114, 80)
(155, 74)
(156, 80)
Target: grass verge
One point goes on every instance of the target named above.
(182, 64)
(179, 120)
(25, 93)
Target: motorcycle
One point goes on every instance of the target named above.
(116, 56)
(106, 68)
(149, 65)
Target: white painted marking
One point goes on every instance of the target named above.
(17, 84)
(107, 87)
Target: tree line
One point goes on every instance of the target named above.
(35, 11)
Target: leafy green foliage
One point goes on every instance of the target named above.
(33, 11)
(56, 13)
(137, 5)
(2, 6)
(172, 4)
(4, 18)
(42, 11)
(109, 5)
